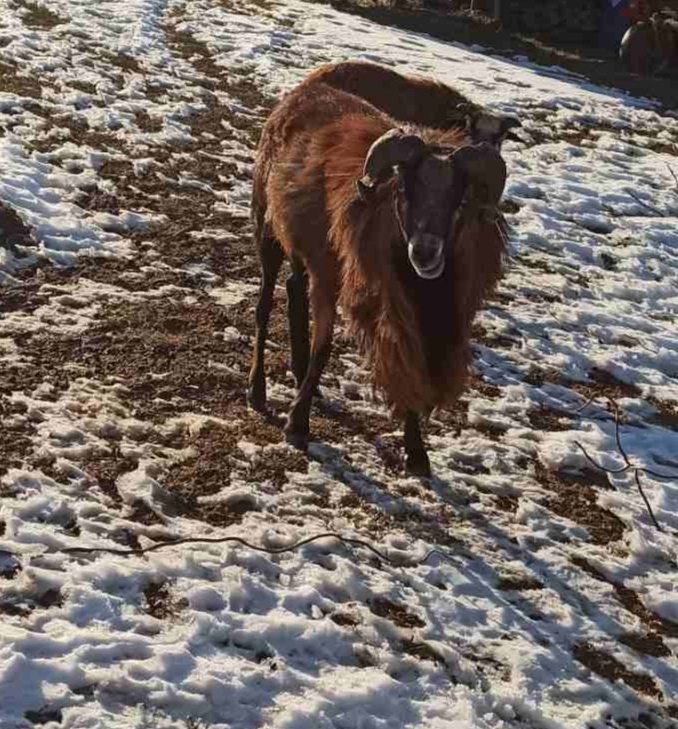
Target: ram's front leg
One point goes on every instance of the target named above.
(416, 458)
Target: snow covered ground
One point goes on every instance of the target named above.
(127, 132)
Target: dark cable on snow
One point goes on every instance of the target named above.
(258, 548)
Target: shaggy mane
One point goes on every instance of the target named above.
(413, 333)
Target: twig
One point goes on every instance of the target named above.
(649, 207)
(613, 404)
(647, 503)
(628, 465)
(614, 471)
(673, 174)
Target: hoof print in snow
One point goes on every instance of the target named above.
(13, 231)
(139, 511)
(424, 651)
(365, 656)
(608, 261)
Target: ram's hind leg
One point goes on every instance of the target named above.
(323, 301)
(271, 258)
(297, 314)
(416, 463)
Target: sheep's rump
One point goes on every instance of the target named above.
(412, 99)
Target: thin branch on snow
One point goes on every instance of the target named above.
(649, 207)
(673, 174)
(628, 464)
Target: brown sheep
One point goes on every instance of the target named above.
(400, 227)
(416, 99)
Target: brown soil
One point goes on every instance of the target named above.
(23, 605)
(651, 644)
(397, 614)
(160, 603)
(344, 619)
(574, 497)
(39, 16)
(13, 231)
(519, 583)
(547, 420)
(608, 667)
(630, 600)
(668, 413)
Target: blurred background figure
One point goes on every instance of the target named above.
(665, 24)
(637, 46)
(650, 43)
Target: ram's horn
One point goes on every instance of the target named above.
(391, 149)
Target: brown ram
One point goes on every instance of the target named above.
(416, 99)
(398, 226)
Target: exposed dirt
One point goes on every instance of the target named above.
(344, 619)
(651, 644)
(15, 447)
(574, 498)
(546, 419)
(44, 715)
(667, 415)
(160, 603)
(23, 605)
(630, 600)
(39, 16)
(397, 614)
(13, 232)
(519, 583)
(608, 667)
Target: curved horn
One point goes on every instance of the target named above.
(392, 148)
(485, 169)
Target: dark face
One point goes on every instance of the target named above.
(429, 196)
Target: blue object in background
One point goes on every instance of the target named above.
(615, 23)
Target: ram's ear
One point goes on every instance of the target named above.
(482, 167)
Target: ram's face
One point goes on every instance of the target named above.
(433, 183)
(429, 197)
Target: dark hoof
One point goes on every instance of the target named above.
(297, 440)
(417, 464)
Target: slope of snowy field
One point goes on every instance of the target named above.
(524, 589)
